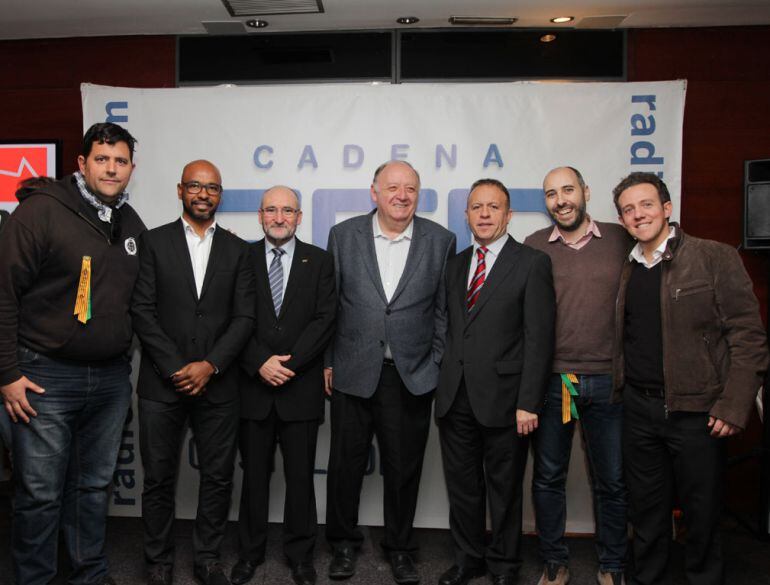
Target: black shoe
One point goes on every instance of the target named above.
(159, 575)
(343, 565)
(303, 573)
(211, 574)
(403, 568)
(243, 571)
(504, 579)
(459, 575)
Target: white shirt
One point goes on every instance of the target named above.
(286, 259)
(200, 250)
(391, 255)
(391, 260)
(657, 254)
(493, 251)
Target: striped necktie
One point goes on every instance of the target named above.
(478, 277)
(275, 277)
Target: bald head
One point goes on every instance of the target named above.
(281, 192)
(566, 194)
(193, 167)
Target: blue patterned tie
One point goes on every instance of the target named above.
(275, 276)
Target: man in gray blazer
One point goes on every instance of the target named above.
(383, 363)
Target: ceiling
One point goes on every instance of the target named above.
(20, 19)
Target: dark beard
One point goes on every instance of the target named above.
(580, 215)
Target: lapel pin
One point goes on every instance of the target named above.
(305, 260)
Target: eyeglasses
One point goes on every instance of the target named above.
(286, 211)
(194, 187)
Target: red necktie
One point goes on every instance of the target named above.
(478, 278)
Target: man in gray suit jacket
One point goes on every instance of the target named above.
(391, 324)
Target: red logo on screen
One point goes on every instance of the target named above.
(18, 163)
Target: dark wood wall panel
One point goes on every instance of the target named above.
(40, 89)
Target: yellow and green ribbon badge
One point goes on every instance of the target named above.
(83, 300)
(568, 408)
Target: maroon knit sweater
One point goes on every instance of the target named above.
(586, 283)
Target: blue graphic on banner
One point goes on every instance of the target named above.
(244, 200)
(110, 109)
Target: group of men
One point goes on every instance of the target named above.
(656, 347)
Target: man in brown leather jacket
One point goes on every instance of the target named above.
(690, 356)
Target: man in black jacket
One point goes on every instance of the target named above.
(282, 399)
(66, 273)
(193, 310)
(501, 307)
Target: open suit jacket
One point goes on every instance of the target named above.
(175, 326)
(504, 346)
(303, 329)
(413, 322)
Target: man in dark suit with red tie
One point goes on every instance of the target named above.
(282, 398)
(501, 307)
(193, 310)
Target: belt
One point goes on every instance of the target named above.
(388, 362)
(649, 392)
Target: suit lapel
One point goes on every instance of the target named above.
(216, 252)
(365, 237)
(299, 265)
(461, 283)
(416, 249)
(260, 269)
(503, 265)
(179, 244)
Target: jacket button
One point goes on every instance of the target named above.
(461, 362)
(382, 343)
(198, 314)
(194, 340)
(387, 311)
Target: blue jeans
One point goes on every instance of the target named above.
(601, 425)
(64, 461)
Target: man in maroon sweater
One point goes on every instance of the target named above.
(587, 257)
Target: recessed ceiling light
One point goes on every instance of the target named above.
(407, 20)
(562, 19)
(547, 38)
(481, 21)
(256, 23)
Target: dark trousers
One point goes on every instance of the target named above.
(601, 424)
(666, 457)
(161, 432)
(483, 463)
(401, 422)
(298, 445)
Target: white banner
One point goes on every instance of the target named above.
(326, 140)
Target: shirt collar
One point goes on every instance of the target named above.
(288, 247)
(406, 234)
(495, 247)
(592, 229)
(638, 255)
(188, 229)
